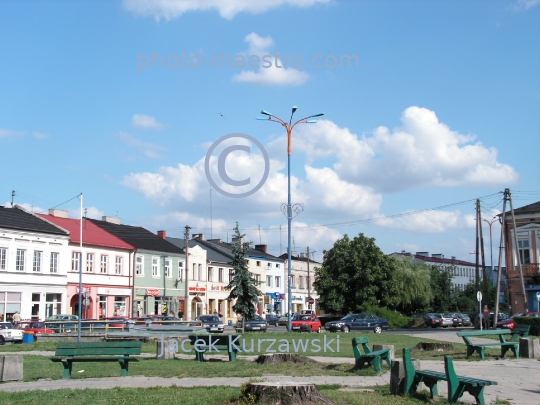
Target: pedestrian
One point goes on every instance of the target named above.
(16, 318)
(181, 315)
(486, 317)
(172, 314)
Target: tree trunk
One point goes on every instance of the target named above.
(282, 358)
(285, 394)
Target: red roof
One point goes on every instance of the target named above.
(92, 234)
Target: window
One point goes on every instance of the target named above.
(118, 265)
(277, 265)
(181, 274)
(194, 272)
(167, 266)
(292, 282)
(36, 265)
(90, 262)
(268, 281)
(200, 272)
(104, 264)
(258, 263)
(302, 282)
(155, 267)
(139, 269)
(257, 278)
(524, 251)
(278, 281)
(210, 271)
(220, 275)
(75, 260)
(19, 260)
(54, 263)
(231, 275)
(3, 259)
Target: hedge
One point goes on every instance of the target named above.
(534, 322)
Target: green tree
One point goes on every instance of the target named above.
(442, 289)
(243, 286)
(409, 287)
(354, 272)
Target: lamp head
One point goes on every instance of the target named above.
(266, 113)
(311, 121)
(318, 115)
(262, 118)
(294, 109)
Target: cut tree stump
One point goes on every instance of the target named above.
(433, 346)
(285, 394)
(282, 358)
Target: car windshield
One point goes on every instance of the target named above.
(209, 318)
(6, 325)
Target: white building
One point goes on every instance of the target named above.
(34, 260)
(303, 277)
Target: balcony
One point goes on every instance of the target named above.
(529, 270)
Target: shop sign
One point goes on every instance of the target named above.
(85, 289)
(153, 292)
(113, 291)
(296, 298)
(197, 289)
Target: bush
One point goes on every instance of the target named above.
(395, 319)
(534, 322)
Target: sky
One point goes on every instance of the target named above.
(428, 106)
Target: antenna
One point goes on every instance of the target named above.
(12, 195)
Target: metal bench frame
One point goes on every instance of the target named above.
(479, 347)
(222, 343)
(372, 357)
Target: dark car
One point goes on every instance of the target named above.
(256, 324)
(431, 320)
(283, 320)
(357, 322)
(212, 323)
(457, 320)
(272, 319)
(510, 323)
(465, 320)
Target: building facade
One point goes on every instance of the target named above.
(304, 295)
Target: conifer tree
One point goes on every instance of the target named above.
(243, 286)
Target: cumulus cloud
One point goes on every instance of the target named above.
(150, 150)
(422, 152)
(272, 70)
(141, 121)
(170, 9)
(5, 133)
(521, 5)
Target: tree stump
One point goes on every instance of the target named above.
(285, 394)
(430, 346)
(282, 358)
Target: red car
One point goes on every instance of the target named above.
(37, 327)
(306, 323)
(510, 323)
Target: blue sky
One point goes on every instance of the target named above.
(442, 107)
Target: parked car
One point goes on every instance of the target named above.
(272, 319)
(38, 328)
(8, 333)
(357, 322)
(256, 324)
(431, 320)
(283, 320)
(306, 323)
(212, 323)
(62, 317)
(457, 320)
(466, 321)
(510, 323)
(445, 320)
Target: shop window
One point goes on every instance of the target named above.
(102, 307)
(53, 304)
(36, 299)
(53, 268)
(19, 260)
(119, 306)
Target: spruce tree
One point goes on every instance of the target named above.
(243, 286)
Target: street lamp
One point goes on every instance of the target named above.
(288, 208)
(490, 223)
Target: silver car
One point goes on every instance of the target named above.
(8, 333)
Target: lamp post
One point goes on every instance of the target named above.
(288, 208)
(490, 223)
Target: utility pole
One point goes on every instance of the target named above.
(501, 247)
(516, 247)
(308, 280)
(483, 260)
(186, 250)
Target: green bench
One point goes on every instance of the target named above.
(372, 357)
(520, 331)
(69, 353)
(209, 343)
(457, 385)
(479, 347)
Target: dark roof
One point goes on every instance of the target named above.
(285, 256)
(212, 254)
(226, 249)
(138, 237)
(20, 219)
(533, 208)
(430, 259)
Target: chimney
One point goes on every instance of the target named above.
(453, 257)
(294, 253)
(438, 256)
(198, 236)
(262, 248)
(58, 213)
(162, 234)
(425, 254)
(112, 220)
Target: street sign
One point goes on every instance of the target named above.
(311, 300)
(86, 302)
(479, 296)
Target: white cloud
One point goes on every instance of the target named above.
(276, 73)
(39, 135)
(422, 152)
(525, 4)
(170, 9)
(4, 133)
(141, 121)
(149, 149)
(429, 222)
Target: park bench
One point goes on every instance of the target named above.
(457, 385)
(479, 347)
(369, 356)
(204, 343)
(520, 331)
(69, 353)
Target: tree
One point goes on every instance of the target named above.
(409, 288)
(442, 289)
(243, 286)
(354, 272)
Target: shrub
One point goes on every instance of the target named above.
(395, 319)
(534, 322)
